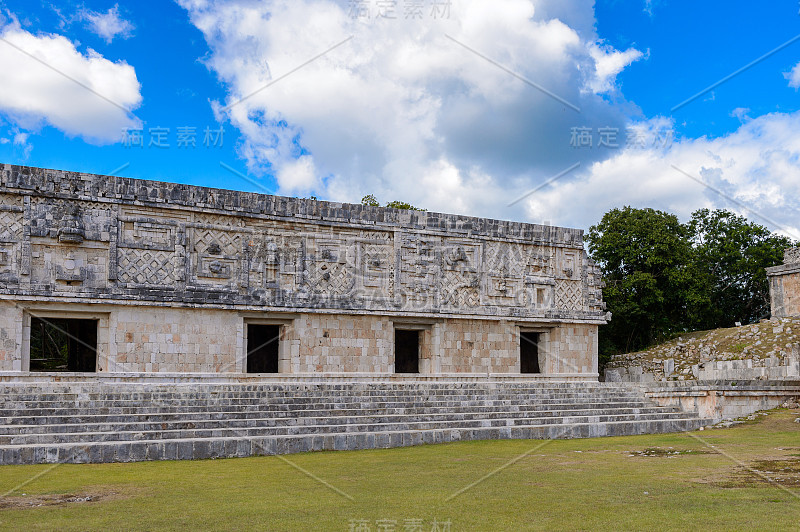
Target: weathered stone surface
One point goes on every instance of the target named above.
(172, 272)
(122, 422)
(784, 285)
(766, 350)
(88, 236)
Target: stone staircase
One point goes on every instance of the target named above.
(50, 422)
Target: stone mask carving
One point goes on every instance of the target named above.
(71, 229)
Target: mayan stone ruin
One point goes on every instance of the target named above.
(159, 278)
(784, 285)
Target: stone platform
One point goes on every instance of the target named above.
(94, 421)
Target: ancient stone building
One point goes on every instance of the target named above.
(128, 277)
(784, 285)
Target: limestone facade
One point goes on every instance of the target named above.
(174, 275)
(784, 285)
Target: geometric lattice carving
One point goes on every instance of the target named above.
(460, 289)
(146, 267)
(327, 269)
(10, 226)
(459, 283)
(224, 247)
(569, 295)
(511, 259)
(330, 278)
(224, 242)
(216, 219)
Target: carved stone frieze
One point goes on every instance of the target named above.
(124, 239)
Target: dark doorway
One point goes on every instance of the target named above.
(262, 348)
(406, 351)
(63, 344)
(529, 352)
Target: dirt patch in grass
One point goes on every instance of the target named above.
(16, 502)
(668, 452)
(782, 472)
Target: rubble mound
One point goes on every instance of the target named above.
(769, 344)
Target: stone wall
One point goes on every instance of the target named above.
(723, 399)
(10, 336)
(476, 346)
(784, 285)
(152, 339)
(87, 237)
(338, 344)
(137, 339)
(571, 348)
(718, 370)
(176, 270)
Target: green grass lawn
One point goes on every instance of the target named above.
(659, 482)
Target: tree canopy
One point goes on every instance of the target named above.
(371, 200)
(665, 277)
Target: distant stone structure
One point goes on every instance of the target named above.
(784, 285)
(145, 277)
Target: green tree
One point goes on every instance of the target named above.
(370, 200)
(643, 254)
(403, 205)
(729, 282)
(663, 277)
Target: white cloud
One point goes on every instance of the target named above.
(20, 138)
(89, 96)
(108, 25)
(298, 176)
(609, 63)
(650, 6)
(21, 141)
(752, 171)
(741, 113)
(793, 76)
(404, 112)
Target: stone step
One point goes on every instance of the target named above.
(264, 384)
(92, 402)
(44, 398)
(214, 420)
(245, 391)
(204, 448)
(323, 428)
(31, 417)
(287, 395)
(300, 407)
(330, 398)
(299, 404)
(224, 419)
(337, 398)
(81, 422)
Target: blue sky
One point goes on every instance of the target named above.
(458, 111)
(693, 45)
(167, 51)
